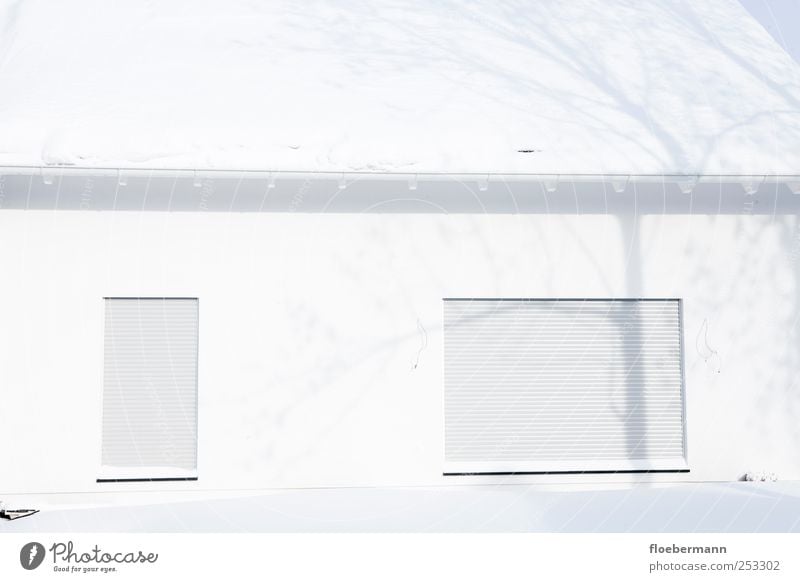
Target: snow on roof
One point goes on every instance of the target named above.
(580, 87)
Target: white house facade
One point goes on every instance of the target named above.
(320, 339)
(564, 255)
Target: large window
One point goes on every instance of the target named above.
(563, 385)
(150, 389)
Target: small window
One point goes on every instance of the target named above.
(564, 385)
(150, 389)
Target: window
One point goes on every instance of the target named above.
(563, 385)
(150, 389)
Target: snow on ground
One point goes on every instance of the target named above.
(590, 86)
(709, 507)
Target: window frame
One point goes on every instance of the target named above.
(678, 465)
(120, 474)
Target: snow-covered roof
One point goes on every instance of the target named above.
(580, 87)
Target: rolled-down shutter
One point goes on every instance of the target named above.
(563, 385)
(150, 389)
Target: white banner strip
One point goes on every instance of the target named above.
(399, 557)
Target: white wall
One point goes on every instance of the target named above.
(308, 332)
